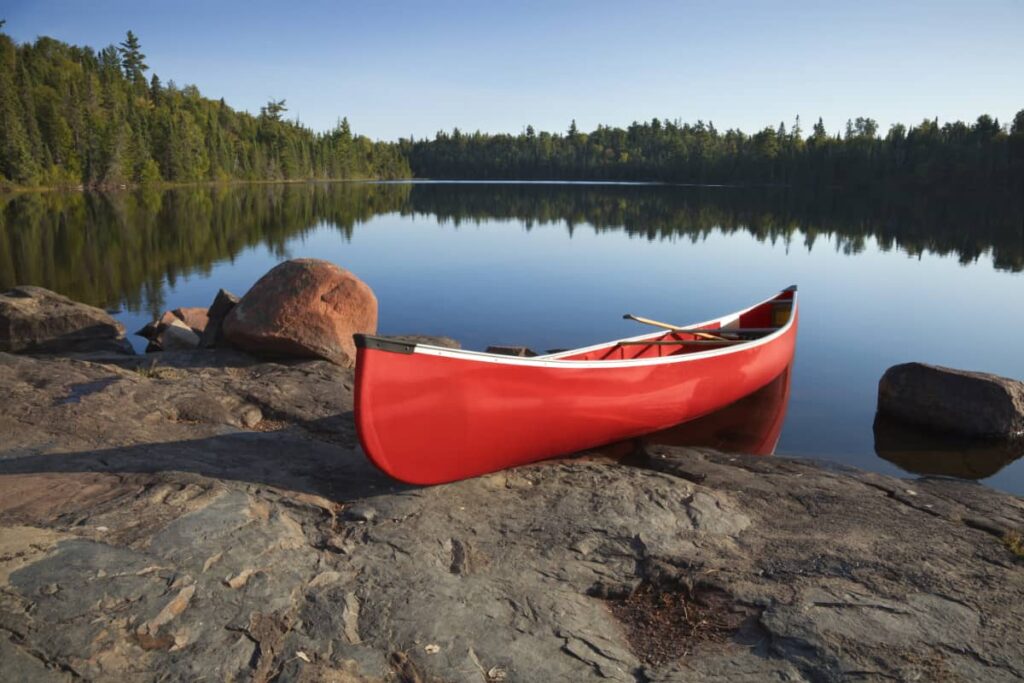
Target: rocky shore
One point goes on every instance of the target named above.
(209, 516)
(212, 518)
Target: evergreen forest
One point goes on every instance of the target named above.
(72, 116)
(76, 117)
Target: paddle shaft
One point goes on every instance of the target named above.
(685, 342)
(700, 330)
(655, 323)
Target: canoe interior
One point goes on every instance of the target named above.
(768, 316)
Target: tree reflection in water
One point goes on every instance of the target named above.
(119, 249)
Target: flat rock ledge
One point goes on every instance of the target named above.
(212, 518)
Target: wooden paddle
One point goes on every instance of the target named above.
(655, 323)
(714, 333)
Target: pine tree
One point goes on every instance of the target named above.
(819, 133)
(273, 110)
(132, 59)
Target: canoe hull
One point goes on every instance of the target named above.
(751, 425)
(428, 417)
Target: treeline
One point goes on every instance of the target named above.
(73, 116)
(981, 155)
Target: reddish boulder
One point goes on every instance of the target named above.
(162, 337)
(304, 307)
(194, 317)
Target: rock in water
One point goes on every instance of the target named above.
(972, 403)
(36, 320)
(213, 334)
(196, 318)
(177, 337)
(175, 330)
(306, 308)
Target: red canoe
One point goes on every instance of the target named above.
(428, 415)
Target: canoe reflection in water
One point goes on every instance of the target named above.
(928, 453)
(751, 425)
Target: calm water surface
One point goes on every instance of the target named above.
(555, 266)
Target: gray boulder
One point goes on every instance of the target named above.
(213, 333)
(960, 401)
(36, 320)
(177, 336)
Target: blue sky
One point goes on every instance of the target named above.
(410, 68)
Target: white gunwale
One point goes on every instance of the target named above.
(556, 360)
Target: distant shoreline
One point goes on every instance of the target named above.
(169, 185)
(11, 190)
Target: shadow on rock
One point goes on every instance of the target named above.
(286, 459)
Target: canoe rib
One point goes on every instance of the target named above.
(428, 414)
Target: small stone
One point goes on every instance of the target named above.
(240, 579)
(359, 513)
(338, 544)
(181, 639)
(212, 560)
(251, 416)
(325, 579)
(171, 610)
(303, 656)
(177, 337)
(431, 649)
(193, 316)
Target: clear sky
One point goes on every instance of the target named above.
(410, 68)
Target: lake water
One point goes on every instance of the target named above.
(882, 281)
